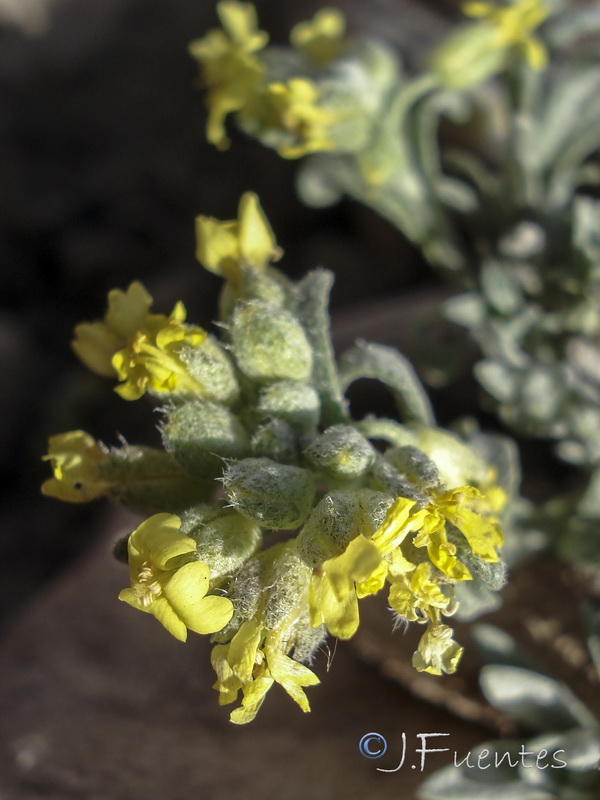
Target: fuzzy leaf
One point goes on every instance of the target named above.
(366, 360)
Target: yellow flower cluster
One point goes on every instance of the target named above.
(482, 49)
(268, 609)
(237, 80)
(252, 662)
(420, 590)
(143, 350)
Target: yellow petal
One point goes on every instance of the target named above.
(127, 310)
(160, 609)
(185, 591)
(254, 695)
(95, 344)
(217, 246)
(535, 53)
(157, 540)
(257, 241)
(243, 649)
(291, 675)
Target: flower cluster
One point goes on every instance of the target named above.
(258, 439)
(318, 96)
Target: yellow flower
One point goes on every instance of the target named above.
(514, 24)
(152, 358)
(227, 247)
(76, 459)
(415, 596)
(480, 50)
(296, 111)
(437, 652)
(253, 661)
(96, 342)
(166, 583)
(229, 66)
(322, 38)
(332, 593)
(142, 349)
(469, 510)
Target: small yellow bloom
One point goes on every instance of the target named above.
(227, 247)
(437, 652)
(480, 50)
(142, 349)
(96, 342)
(332, 594)
(230, 68)
(76, 459)
(415, 596)
(151, 360)
(252, 662)
(322, 38)
(168, 584)
(296, 111)
(514, 24)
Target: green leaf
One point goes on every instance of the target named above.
(366, 360)
(312, 301)
(534, 700)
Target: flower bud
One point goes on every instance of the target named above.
(276, 440)
(288, 578)
(244, 589)
(296, 403)
(270, 344)
(337, 520)
(151, 481)
(210, 365)
(225, 540)
(201, 434)
(341, 452)
(415, 466)
(275, 495)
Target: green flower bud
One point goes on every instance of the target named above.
(225, 539)
(201, 434)
(275, 440)
(255, 284)
(274, 495)
(244, 590)
(456, 462)
(270, 344)
(387, 478)
(341, 452)
(296, 403)
(151, 481)
(307, 640)
(288, 578)
(339, 518)
(413, 465)
(212, 367)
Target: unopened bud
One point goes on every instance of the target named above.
(270, 344)
(296, 403)
(339, 518)
(211, 366)
(274, 495)
(341, 452)
(201, 434)
(225, 540)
